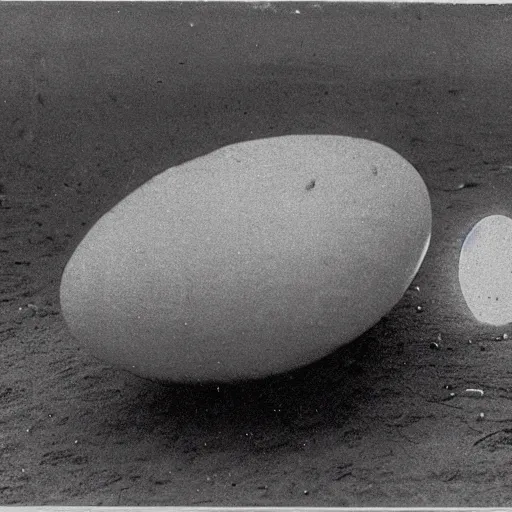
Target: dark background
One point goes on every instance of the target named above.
(96, 98)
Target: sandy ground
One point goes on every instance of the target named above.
(96, 99)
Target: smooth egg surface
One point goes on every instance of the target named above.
(255, 259)
(485, 270)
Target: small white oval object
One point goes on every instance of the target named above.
(485, 270)
(255, 259)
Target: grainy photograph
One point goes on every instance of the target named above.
(255, 254)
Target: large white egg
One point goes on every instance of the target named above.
(252, 260)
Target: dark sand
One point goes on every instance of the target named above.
(96, 99)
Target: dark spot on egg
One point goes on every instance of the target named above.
(310, 185)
